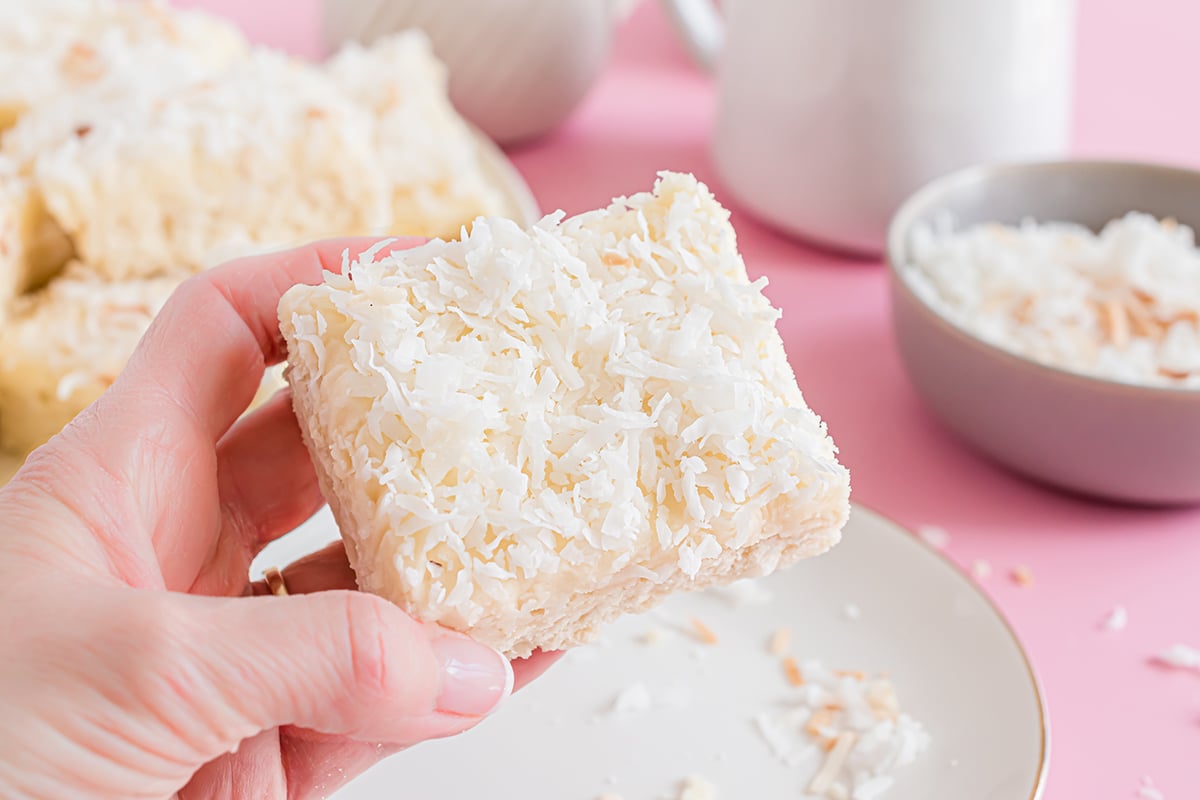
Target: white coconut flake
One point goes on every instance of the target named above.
(638, 698)
(1117, 619)
(747, 592)
(653, 636)
(981, 569)
(1148, 791)
(934, 536)
(634, 699)
(697, 787)
(852, 611)
(1180, 656)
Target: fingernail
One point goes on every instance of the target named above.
(475, 678)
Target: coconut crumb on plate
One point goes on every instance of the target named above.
(697, 787)
(791, 671)
(746, 592)
(633, 699)
(703, 632)
(852, 611)
(652, 636)
(779, 641)
(844, 732)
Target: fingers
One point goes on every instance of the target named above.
(316, 768)
(193, 374)
(255, 770)
(266, 485)
(208, 347)
(328, 569)
(341, 663)
(318, 765)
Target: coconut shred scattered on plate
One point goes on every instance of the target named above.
(1123, 304)
(844, 729)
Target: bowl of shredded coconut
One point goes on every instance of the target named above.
(1049, 313)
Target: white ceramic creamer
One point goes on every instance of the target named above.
(831, 112)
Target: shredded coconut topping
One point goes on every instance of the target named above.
(532, 413)
(64, 346)
(268, 151)
(89, 50)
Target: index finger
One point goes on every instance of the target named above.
(209, 346)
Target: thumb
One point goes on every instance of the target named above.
(342, 663)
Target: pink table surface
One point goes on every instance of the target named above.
(1114, 715)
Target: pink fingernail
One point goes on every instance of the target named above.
(475, 678)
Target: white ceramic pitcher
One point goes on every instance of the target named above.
(831, 112)
(517, 67)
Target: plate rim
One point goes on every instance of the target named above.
(1043, 767)
(503, 174)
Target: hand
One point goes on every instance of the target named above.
(136, 663)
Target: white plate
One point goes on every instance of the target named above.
(519, 202)
(954, 661)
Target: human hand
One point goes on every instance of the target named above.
(136, 664)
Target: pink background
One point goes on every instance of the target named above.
(1114, 715)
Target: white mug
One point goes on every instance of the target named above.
(831, 112)
(517, 67)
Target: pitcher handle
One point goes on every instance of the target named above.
(700, 24)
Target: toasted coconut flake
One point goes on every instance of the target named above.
(1116, 323)
(821, 721)
(703, 632)
(791, 671)
(1022, 576)
(780, 639)
(881, 697)
(834, 762)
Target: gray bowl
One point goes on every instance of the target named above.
(1127, 443)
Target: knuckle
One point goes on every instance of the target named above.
(367, 629)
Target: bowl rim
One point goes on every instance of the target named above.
(904, 217)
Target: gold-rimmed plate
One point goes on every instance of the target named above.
(955, 662)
